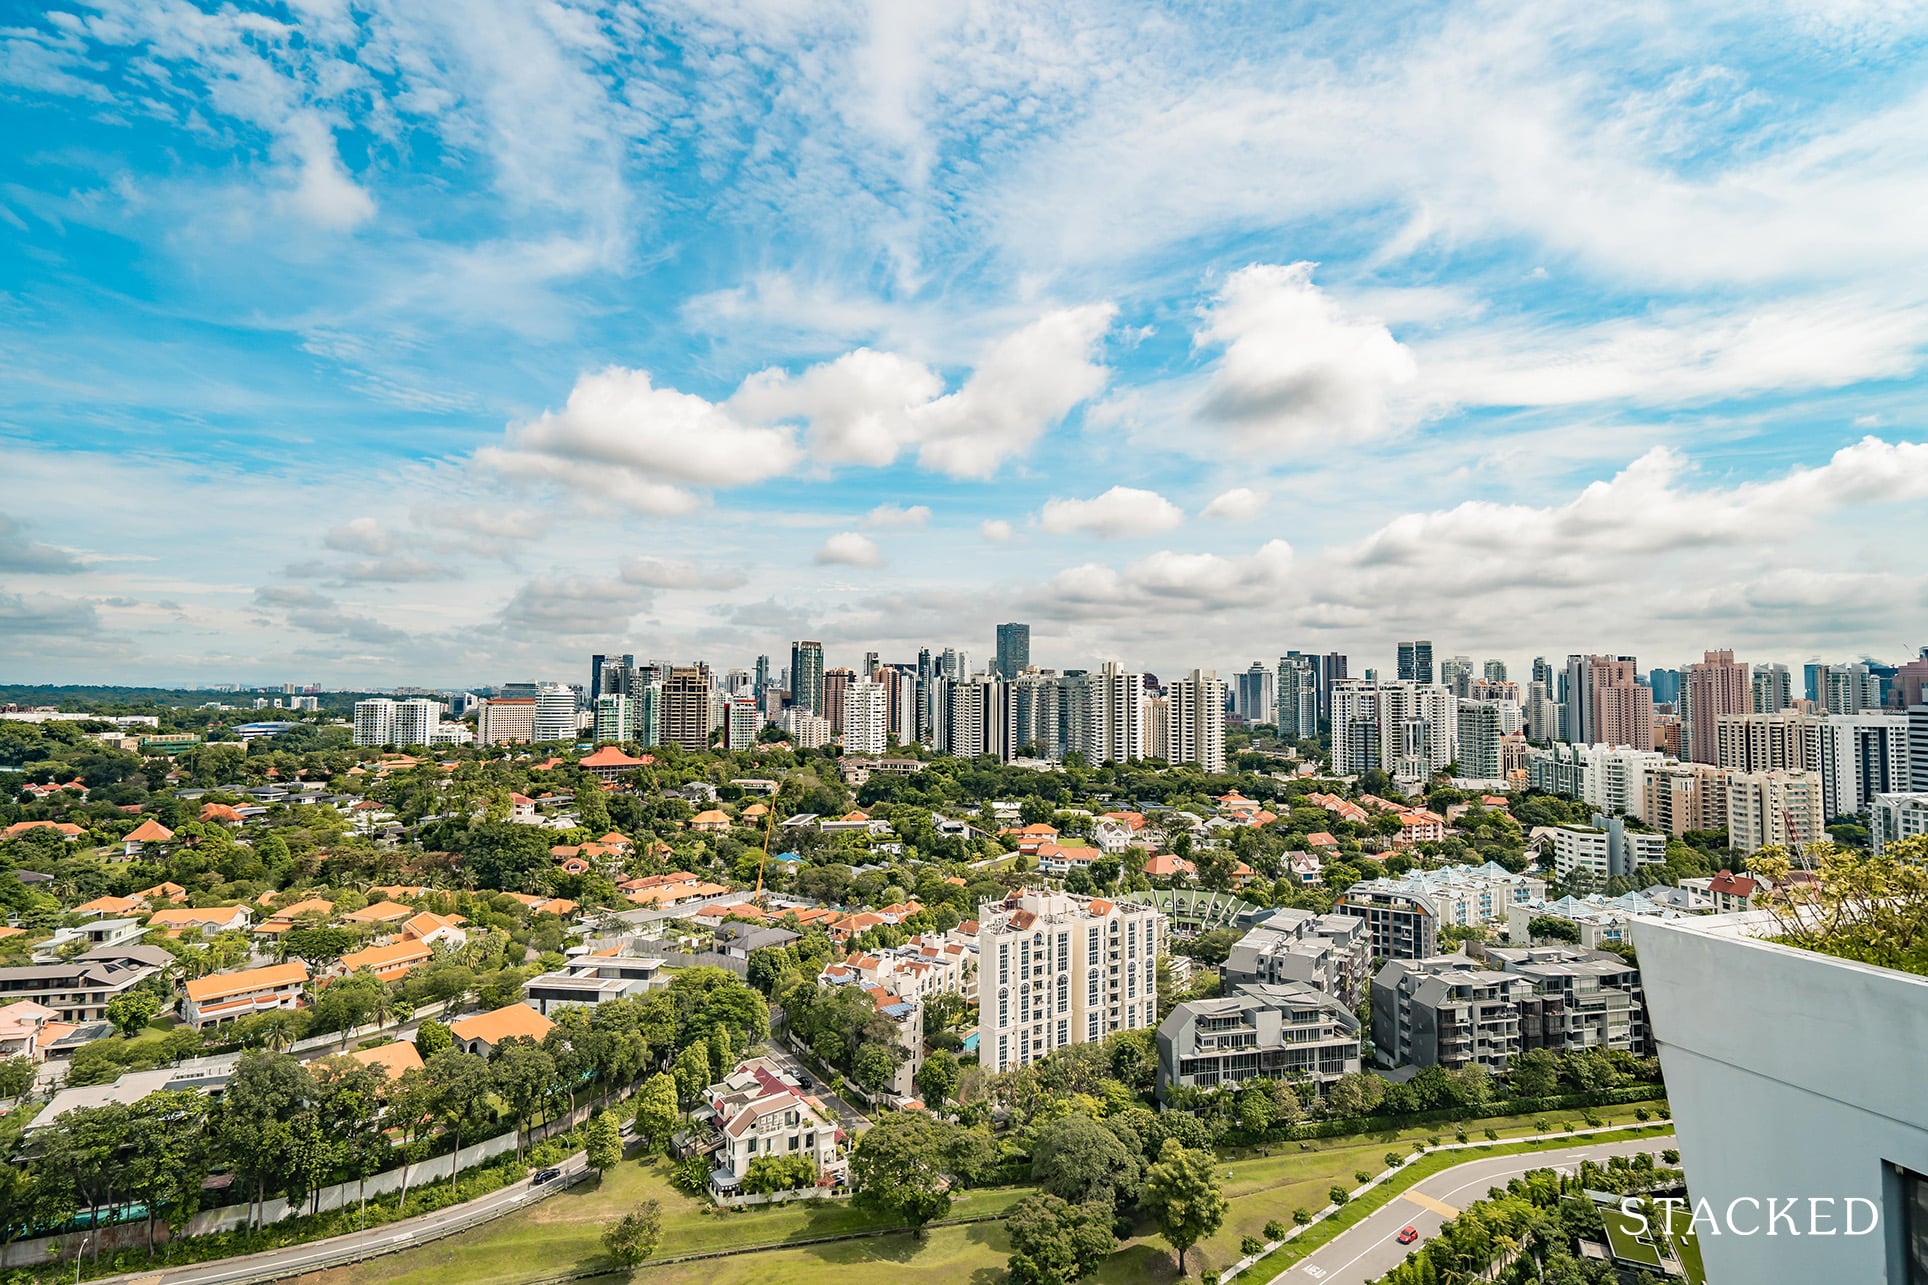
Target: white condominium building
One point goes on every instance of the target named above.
(866, 717)
(375, 722)
(509, 721)
(1766, 808)
(556, 713)
(1117, 728)
(1056, 969)
(1197, 720)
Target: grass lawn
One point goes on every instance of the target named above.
(563, 1233)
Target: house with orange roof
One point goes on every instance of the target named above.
(1233, 804)
(65, 829)
(1344, 809)
(522, 810)
(111, 907)
(1319, 839)
(1061, 859)
(711, 821)
(284, 919)
(391, 962)
(394, 1059)
(150, 837)
(220, 814)
(1031, 837)
(480, 1034)
(23, 1027)
(609, 763)
(397, 891)
(1419, 826)
(756, 812)
(1133, 821)
(382, 912)
(436, 930)
(163, 892)
(617, 843)
(204, 921)
(1167, 866)
(227, 997)
(76, 785)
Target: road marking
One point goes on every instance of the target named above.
(1426, 1202)
(1315, 1272)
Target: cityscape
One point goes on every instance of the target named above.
(808, 641)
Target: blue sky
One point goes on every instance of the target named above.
(387, 343)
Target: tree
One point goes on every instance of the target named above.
(767, 1174)
(266, 1092)
(459, 1092)
(692, 1072)
(875, 1066)
(1077, 1159)
(1053, 1241)
(604, 1144)
(1182, 1195)
(522, 1075)
(432, 1037)
(899, 1167)
(16, 1076)
(132, 1010)
(937, 1079)
(1533, 1074)
(634, 1237)
(656, 1113)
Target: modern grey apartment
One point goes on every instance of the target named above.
(80, 988)
(1287, 1031)
(1402, 924)
(1331, 953)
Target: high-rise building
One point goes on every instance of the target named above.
(1773, 689)
(866, 718)
(615, 718)
(1296, 699)
(1416, 662)
(416, 721)
(1542, 672)
(1456, 676)
(836, 682)
(1863, 755)
(608, 674)
(1666, 686)
(1056, 969)
(686, 708)
(1542, 713)
(1197, 713)
(1622, 707)
(1331, 669)
(1077, 702)
(1253, 699)
(1494, 671)
(1482, 729)
(1715, 687)
(1682, 797)
(1789, 741)
(556, 711)
(1037, 722)
(375, 722)
(1408, 730)
(1576, 703)
(1013, 649)
(1117, 730)
(742, 720)
(870, 666)
(1847, 689)
(506, 721)
(1764, 808)
(646, 709)
(762, 674)
(806, 676)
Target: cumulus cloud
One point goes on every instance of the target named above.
(673, 573)
(622, 437)
(1235, 505)
(1296, 368)
(310, 609)
(320, 189)
(1121, 511)
(850, 548)
(860, 408)
(893, 515)
(996, 530)
(1167, 581)
(572, 606)
(30, 557)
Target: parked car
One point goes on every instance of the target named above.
(545, 1175)
(805, 1082)
(1407, 1235)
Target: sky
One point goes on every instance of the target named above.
(416, 343)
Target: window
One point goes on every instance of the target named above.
(1003, 964)
(1910, 1190)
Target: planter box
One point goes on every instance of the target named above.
(1791, 1075)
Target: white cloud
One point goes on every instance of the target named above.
(1235, 505)
(322, 191)
(849, 548)
(1167, 581)
(1119, 512)
(673, 573)
(30, 557)
(1297, 368)
(573, 606)
(640, 445)
(860, 408)
(996, 530)
(895, 515)
(1026, 383)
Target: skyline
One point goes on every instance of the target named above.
(383, 348)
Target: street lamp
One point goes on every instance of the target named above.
(79, 1254)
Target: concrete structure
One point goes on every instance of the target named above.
(1468, 896)
(589, 980)
(1401, 923)
(1897, 816)
(866, 718)
(1784, 808)
(228, 997)
(1830, 1052)
(1295, 697)
(1786, 741)
(1600, 1001)
(1622, 708)
(79, 989)
(1609, 777)
(806, 676)
(1408, 730)
(1714, 688)
(1679, 797)
(1057, 969)
(756, 1110)
(375, 722)
(1607, 849)
(1258, 1032)
(506, 722)
(1013, 650)
(1449, 1011)
(687, 715)
(1330, 953)
(1196, 732)
(1863, 755)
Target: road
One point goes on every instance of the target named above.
(282, 1264)
(1369, 1249)
(852, 1120)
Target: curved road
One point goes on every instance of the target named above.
(281, 1264)
(1370, 1248)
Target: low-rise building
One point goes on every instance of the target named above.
(480, 1034)
(1607, 849)
(1402, 923)
(756, 1110)
(1895, 817)
(1449, 1011)
(1601, 1005)
(390, 962)
(80, 988)
(589, 980)
(1263, 1031)
(227, 997)
(1330, 953)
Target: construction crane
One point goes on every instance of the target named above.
(769, 827)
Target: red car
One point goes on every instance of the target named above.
(1407, 1235)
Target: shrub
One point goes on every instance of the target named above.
(1460, 1136)
(1275, 1230)
(1394, 1160)
(1250, 1246)
(1338, 1196)
(1492, 1135)
(1302, 1216)
(1642, 1114)
(1361, 1177)
(1433, 1141)
(1670, 1157)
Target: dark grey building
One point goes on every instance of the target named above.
(1259, 1032)
(1013, 649)
(1330, 953)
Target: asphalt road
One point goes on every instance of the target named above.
(852, 1120)
(1369, 1249)
(281, 1264)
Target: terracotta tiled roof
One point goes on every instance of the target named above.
(223, 985)
(150, 831)
(395, 1059)
(502, 1024)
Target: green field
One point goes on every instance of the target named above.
(1646, 1250)
(562, 1234)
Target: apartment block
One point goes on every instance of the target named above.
(1599, 1001)
(509, 721)
(1261, 1031)
(1056, 969)
(1607, 849)
(1784, 808)
(1450, 1011)
(1400, 923)
(1330, 953)
(1679, 797)
(1895, 817)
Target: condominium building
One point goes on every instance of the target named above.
(1056, 969)
(1608, 777)
(1784, 808)
(1482, 729)
(1296, 698)
(1400, 923)
(1116, 730)
(1450, 1011)
(1607, 849)
(1197, 727)
(1408, 730)
(1773, 689)
(1895, 817)
(1592, 998)
(1787, 741)
(417, 721)
(758, 1110)
(1416, 662)
(742, 721)
(1469, 896)
(866, 718)
(806, 731)
(510, 721)
(556, 713)
(1679, 797)
(1622, 707)
(375, 722)
(687, 715)
(1261, 1031)
(1252, 693)
(1863, 755)
(615, 718)
(806, 676)
(1013, 650)
(1716, 687)
(1330, 953)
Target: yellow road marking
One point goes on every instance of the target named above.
(1427, 1203)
